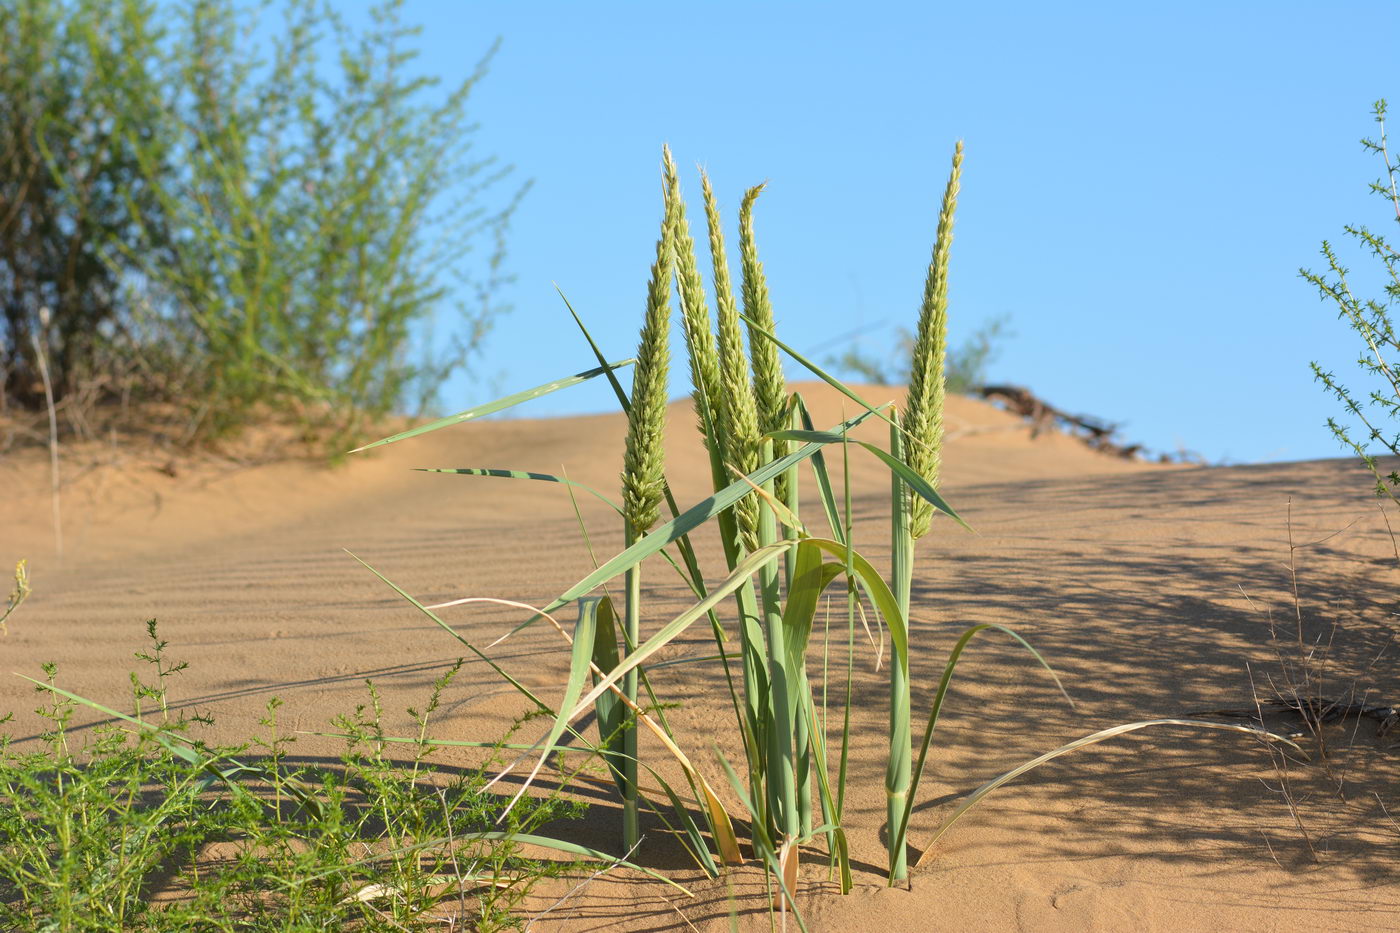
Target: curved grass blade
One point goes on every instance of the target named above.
(823, 375)
(936, 710)
(913, 480)
(500, 404)
(973, 798)
(522, 474)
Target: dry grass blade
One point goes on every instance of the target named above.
(972, 799)
(572, 708)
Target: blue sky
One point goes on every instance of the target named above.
(1142, 183)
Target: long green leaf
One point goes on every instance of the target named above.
(620, 392)
(500, 404)
(523, 474)
(746, 568)
(610, 710)
(823, 375)
(809, 579)
(825, 490)
(690, 519)
(580, 665)
(902, 829)
(897, 466)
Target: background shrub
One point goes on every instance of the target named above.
(233, 222)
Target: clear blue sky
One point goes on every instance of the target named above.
(1142, 183)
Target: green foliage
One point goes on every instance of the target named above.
(1371, 319)
(124, 834)
(965, 370)
(78, 90)
(793, 796)
(259, 223)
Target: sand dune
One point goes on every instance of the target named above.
(1150, 589)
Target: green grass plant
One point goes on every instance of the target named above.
(139, 825)
(757, 436)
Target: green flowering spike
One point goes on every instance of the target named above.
(740, 424)
(695, 315)
(923, 418)
(770, 389)
(643, 474)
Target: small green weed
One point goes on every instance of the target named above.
(144, 828)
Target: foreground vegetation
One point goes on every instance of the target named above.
(793, 726)
(141, 826)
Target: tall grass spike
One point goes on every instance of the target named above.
(643, 475)
(924, 411)
(695, 314)
(740, 415)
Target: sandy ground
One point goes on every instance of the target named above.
(1152, 590)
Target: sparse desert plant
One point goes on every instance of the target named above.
(777, 570)
(1371, 319)
(966, 367)
(144, 827)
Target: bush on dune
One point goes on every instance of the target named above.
(231, 223)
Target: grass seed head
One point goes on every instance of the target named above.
(740, 424)
(695, 315)
(770, 389)
(923, 419)
(643, 475)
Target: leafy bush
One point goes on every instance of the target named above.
(216, 220)
(1371, 319)
(966, 365)
(78, 87)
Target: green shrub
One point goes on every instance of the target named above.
(238, 224)
(1371, 319)
(78, 88)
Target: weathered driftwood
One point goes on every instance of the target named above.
(1095, 432)
(1316, 711)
